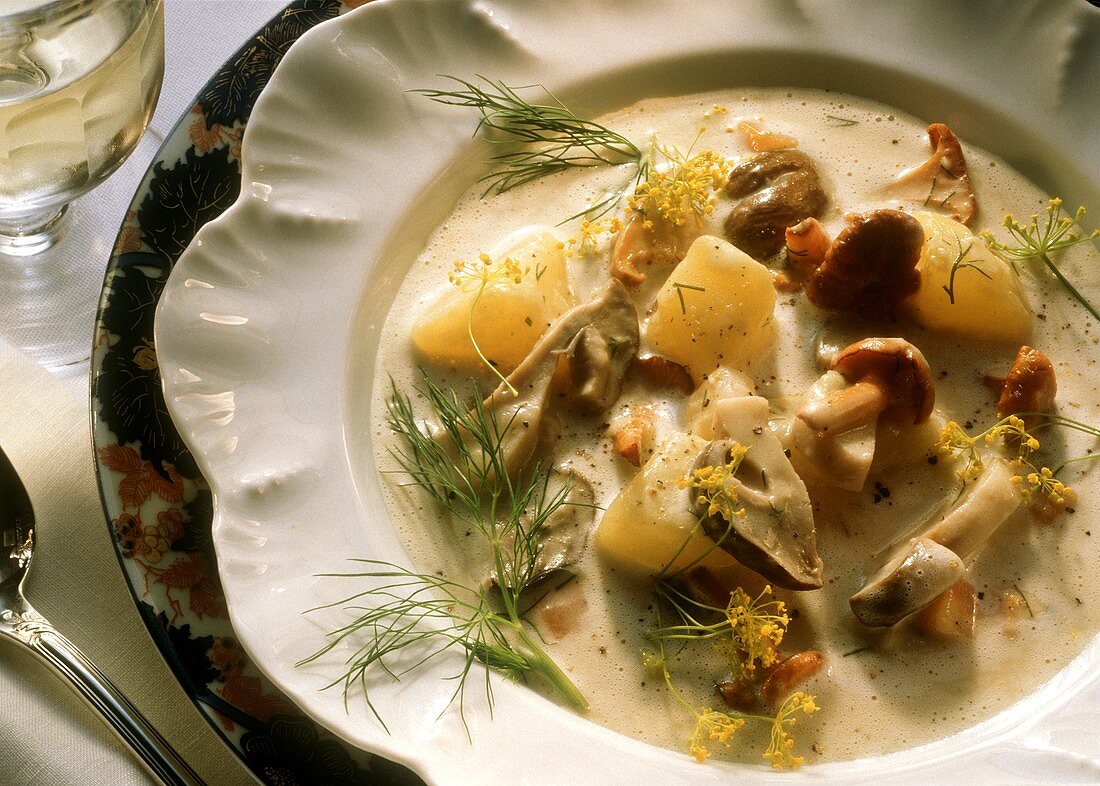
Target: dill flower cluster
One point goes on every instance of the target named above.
(1044, 235)
(716, 492)
(712, 726)
(780, 750)
(471, 276)
(588, 235)
(683, 190)
(1033, 480)
(757, 627)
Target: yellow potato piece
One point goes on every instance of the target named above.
(650, 524)
(989, 307)
(508, 318)
(715, 308)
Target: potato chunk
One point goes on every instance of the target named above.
(650, 521)
(715, 308)
(508, 319)
(989, 303)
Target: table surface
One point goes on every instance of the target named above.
(47, 735)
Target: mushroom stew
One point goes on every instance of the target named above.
(770, 373)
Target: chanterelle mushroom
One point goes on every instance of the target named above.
(833, 435)
(775, 190)
(1030, 385)
(600, 336)
(926, 566)
(943, 178)
(871, 266)
(776, 537)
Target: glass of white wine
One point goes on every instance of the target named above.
(79, 80)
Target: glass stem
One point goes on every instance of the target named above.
(30, 233)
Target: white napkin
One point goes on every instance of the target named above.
(47, 735)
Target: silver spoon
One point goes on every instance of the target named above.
(20, 623)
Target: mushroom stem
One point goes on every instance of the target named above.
(848, 408)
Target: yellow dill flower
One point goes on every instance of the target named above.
(712, 726)
(717, 494)
(1032, 480)
(589, 234)
(685, 189)
(1044, 234)
(1042, 481)
(780, 750)
(475, 277)
(757, 627)
(471, 276)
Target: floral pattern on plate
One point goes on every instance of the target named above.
(157, 504)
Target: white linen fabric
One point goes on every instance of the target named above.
(47, 735)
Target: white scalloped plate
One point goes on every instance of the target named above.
(269, 324)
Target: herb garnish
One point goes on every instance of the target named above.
(1056, 232)
(680, 293)
(960, 263)
(463, 467)
(540, 139)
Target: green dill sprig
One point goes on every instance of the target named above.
(463, 467)
(539, 138)
(1044, 236)
(961, 263)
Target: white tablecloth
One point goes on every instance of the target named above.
(47, 736)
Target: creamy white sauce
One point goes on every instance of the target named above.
(881, 690)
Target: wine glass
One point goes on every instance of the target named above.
(78, 83)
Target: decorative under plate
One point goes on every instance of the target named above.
(157, 503)
(268, 328)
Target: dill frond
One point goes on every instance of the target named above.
(539, 139)
(404, 618)
(960, 263)
(1046, 235)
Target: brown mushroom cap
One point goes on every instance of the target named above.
(1030, 385)
(776, 190)
(871, 265)
(894, 365)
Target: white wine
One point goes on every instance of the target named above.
(75, 97)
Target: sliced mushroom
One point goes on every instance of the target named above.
(871, 266)
(598, 361)
(562, 535)
(775, 190)
(928, 565)
(943, 177)
(833, 434)
(1030, 385)
(911, 579)
(776, 537)
(599, 356)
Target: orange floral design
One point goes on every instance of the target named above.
(204, 139)
(140, 480)
(189, 573)
(129, 237)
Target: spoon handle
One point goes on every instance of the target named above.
(31, 629)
